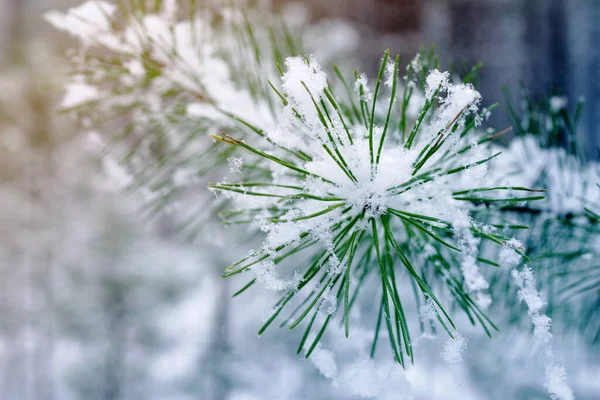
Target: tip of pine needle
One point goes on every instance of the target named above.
(223, 137)
(501, 133)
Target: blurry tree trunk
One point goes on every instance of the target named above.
(397, 16)
(557, 19)
(114, 367)
(40, 318)
(28, 265)
(16, 30)
(217, 358)
(593, 83)
(46, 386)
(43, 138)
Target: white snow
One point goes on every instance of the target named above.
(557, 103)
(79, 93)
(235, 164)
(555, 374)
(301, 73)
(86, 22)
(453, 349)
(267, 276)
(436, 80)
(362, 82)
(427, 312)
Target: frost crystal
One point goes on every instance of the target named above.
(427, 312)
(267, 276)
(324, 360)
(460, 101)
(453, 349)
(362, 83)
(329, 300)
(302, 77)
(235, 164)
(416, 64)
(436, 80)
(508, 255)
(390, 72)
(529, 294)
(556, 382)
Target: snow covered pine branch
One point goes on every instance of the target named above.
(353, 185)
(150, 80)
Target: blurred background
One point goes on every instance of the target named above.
(549, 46)
(97, 304)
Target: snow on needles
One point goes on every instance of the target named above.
(435, 81)
(86, 22)
(305, 78)
(341, 185)
(166, 73)
(179, 55)
(556, 377)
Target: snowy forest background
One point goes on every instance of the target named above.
(100, 301)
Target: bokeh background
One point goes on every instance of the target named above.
(96, 303)
(548, 46)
